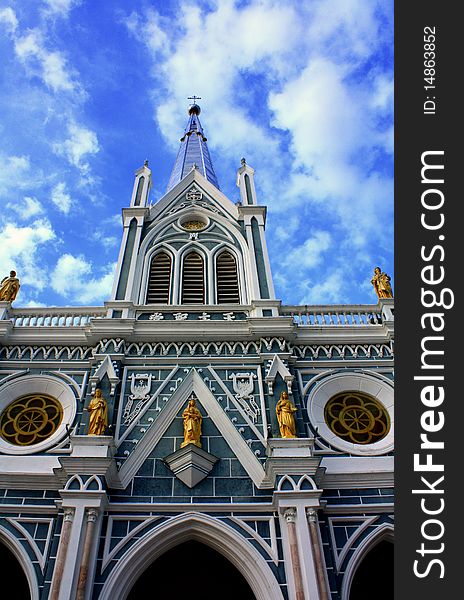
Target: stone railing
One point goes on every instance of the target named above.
(55, 316)
(332, 315)
(313, 315)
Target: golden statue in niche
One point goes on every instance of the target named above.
(9, 287)
(381, 283)
(285, 410)
(192, 424)
(98, 409)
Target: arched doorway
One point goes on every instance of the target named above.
(191, 570)
(186, 527)
(11, 570)
(374, 576)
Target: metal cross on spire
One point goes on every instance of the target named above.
(194, 98)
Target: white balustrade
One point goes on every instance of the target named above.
(56, 316)
(329, 315)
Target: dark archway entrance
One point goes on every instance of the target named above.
(11, 570)
(374, 576)
(191, 571)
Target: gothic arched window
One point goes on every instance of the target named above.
(138, 195)
(226, 279)
(159, 280)
(193, 281)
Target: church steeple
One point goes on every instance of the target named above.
(193, 151)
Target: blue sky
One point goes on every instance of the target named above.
(302, 89)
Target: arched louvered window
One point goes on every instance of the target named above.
(193, 280)
(226, 279)
(159, 280)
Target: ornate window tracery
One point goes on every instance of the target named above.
(30, 419)
(357, 417)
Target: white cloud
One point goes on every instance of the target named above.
(72, 278)
(61, 8)
(80, 143)
(14, 172)
(326, 290)
(61, 198)
(27, 208)
(243, 39)
(50, 66)
(20, 250)
(8, 19)
(310, 253)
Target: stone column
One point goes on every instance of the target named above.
(311, 515)
(68, 517)
(92, 515)
(290, 518)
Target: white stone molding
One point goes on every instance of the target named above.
(271, 548)
(106, 367)
(246, 169)
(88, 505)
(354, 350)
(292, 513)
(243, 384)
(193, 383)
(357, 472)
(192, 526)
(324, 390)
(349, 520)
(227, 219)
(144, 172)
(238, 405)
(148, 251)
(109, 554)
(22, 557)
(209, 191)
(140, 388)
(276, 366)
(291, 456)
(41, 555)
(120, 419)
(383, 532)
(39, 384)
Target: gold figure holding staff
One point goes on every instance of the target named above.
(192, 424)
(9, 287)
(285, 410)
(381, 283)
(98, 410)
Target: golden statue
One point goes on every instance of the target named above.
(381, 283)
(192, 424)
(285, 410)
(98, 409)
(9, 287)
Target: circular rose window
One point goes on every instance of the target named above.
(30, 419)
(357, 418)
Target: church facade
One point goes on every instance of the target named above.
(194, 416)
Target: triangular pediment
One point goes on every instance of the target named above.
(193, 384)
(277, 367)
(210, 195)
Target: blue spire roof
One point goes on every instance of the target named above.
(193, 151)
